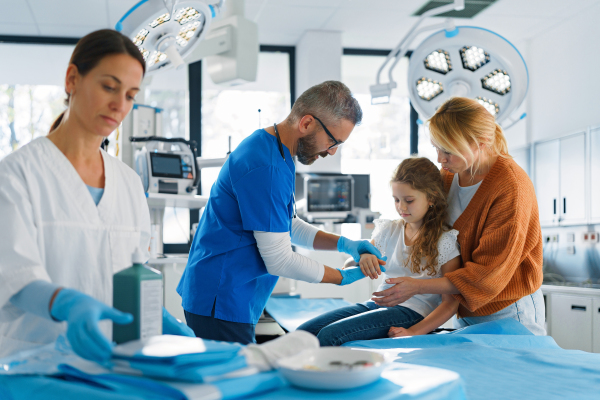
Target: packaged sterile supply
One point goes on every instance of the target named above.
(138, 290)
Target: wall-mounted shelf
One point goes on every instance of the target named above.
(161, 200)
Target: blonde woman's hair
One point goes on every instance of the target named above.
(422, 175)
(461, 122)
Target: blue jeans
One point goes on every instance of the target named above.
(361, 321)
(529, 311)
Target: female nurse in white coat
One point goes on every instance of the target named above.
(71, 215)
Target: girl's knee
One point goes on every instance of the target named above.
(328, 336)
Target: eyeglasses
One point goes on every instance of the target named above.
(336, 143)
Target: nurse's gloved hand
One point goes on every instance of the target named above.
(356, 247)
(82, 314)
(352, 274)
(172, 326)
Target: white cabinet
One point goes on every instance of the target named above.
(571, 323)
(595, 175)
(547, 190)
(573, 317)
(560, 171)
(572, 180)
(596, 325)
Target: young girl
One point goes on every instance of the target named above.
(419, 245)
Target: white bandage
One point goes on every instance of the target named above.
(276, 251)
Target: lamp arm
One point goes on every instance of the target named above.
(403, 52)
(457, 5)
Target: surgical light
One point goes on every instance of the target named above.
(428, 89)
(489, 105)
(167, 31)
(186, 15)
(493, 71)
(474, 57)
(138, 40)
(497, 81)
(438, 61)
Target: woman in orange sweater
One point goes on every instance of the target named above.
(492, 204)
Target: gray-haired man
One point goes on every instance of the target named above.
(243, 241)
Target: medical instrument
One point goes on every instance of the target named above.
(464, 61)
(167, 165)
(323, 368)
(82, 314)
(328, 196)
(184, 31)
(138, 290)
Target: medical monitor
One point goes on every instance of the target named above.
(328, 196)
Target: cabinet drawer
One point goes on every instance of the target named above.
(571, 322)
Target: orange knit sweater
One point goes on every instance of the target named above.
(500, 242)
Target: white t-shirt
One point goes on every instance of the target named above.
(459, 198)
(389, 239)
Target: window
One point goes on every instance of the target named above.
(238, 111)
(382, 140)
(30, 98)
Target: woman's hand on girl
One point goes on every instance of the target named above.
(404, 289)
(369, 265)
(400, 332)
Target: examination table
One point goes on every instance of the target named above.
(496, 360)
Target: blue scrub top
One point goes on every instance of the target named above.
(254, 192)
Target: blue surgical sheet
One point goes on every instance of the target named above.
(501, 360)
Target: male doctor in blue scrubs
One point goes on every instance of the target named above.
(244, 239)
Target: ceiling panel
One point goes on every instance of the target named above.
(15, 12)
(70, 12)
(19, 29)
(117, 8)
(63, 30)
(293, 18)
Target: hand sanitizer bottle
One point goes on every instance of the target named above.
(138, 290)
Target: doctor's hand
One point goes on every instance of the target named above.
(172, 326)
(352, 274)
(82, 314)
(404, 289)
(357, 247)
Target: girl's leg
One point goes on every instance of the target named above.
(373, 324)
(315, 325)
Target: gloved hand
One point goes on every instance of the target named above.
(356, 247)
(353, 274)
(172, 326)
(82, 314)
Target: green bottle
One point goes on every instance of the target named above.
(138, 290)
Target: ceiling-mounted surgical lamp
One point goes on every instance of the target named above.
(167, 31)
(461, 61)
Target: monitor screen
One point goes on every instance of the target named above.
(166, 165)
(329, 195)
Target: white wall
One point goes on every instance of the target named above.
(563, 66)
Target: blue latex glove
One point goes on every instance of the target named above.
(353, 274)
(82, 314)
(356, 247)
(172, 326)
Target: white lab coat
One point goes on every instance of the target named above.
(51, 229)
